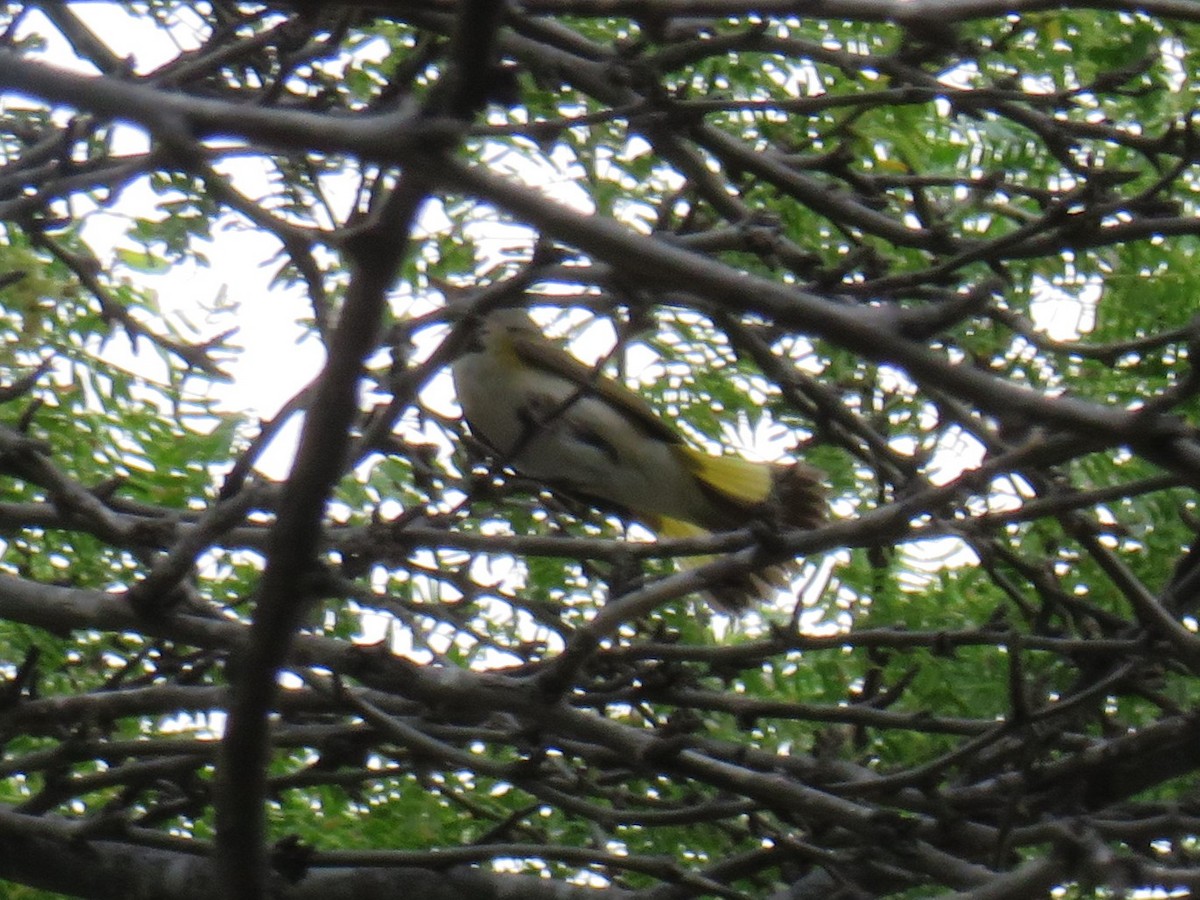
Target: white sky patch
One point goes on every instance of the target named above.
(198, 302)
(277, 356)
(556, 177)
(1174, 61)
(957, 452)
(133, 36)
(1060, 314)
(934, 554)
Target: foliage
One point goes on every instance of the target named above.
(940, 251)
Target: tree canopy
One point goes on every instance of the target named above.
(942, 251)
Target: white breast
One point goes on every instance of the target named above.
(540, 425)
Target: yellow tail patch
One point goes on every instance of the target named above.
(677, 528)
(742, 481)
(730, 597)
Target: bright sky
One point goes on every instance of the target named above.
(275, 361)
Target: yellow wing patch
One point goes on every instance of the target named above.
(742, 481)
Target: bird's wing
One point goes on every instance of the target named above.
(536, 351)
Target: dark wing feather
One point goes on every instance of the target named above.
(537, 352)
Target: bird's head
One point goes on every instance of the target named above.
(497, 330)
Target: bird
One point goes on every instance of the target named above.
(556, 420)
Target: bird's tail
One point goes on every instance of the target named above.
(798, 495)
(792, 495)
(733, 595)
(676, 528)
(779, 495)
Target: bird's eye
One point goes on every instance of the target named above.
(474, 342)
